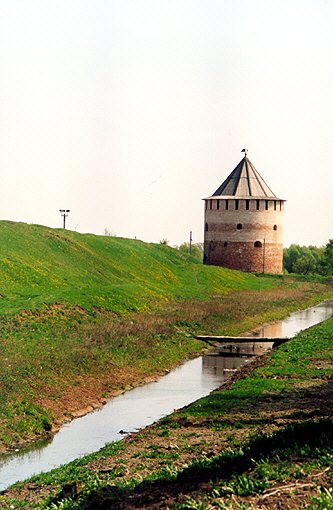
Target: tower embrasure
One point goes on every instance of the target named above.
(244, 223)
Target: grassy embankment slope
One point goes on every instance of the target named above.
(83, 316)
(41, 266)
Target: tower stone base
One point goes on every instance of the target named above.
(244, 256)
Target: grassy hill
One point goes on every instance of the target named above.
(83, 317)
(39, 265)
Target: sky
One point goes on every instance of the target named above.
(130, 112)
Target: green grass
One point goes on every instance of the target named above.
(39, 265)
(248, 467)
(287, 367)
(286, 456)
(62, 299)
(79, 307)
(267, 461)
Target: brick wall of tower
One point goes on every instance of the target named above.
(245, 257)
(244, 234)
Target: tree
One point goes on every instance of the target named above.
(290, 256)
(306, 264)
(328, 258)
(196, 249)
(107, 232)
(306, 260)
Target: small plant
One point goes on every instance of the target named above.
(264, 469)
(191, 504)
(67, 504)
(164, 433)
(324, 500)
(243, 485)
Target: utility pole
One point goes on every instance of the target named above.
(190, 242)
(64, 214)
(263, 255)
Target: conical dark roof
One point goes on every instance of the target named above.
(243, 182)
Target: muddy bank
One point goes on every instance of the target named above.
(73, 411)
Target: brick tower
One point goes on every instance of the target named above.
(244, 223)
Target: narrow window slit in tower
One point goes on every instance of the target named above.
(217, 204)
(274, 205)
(275, 227)
(266, 205)
(211, 204)
(247, 205)
(206, 227)
(226, 205)
(236, 204)
(258, 204)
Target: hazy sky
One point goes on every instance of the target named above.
(129, 112)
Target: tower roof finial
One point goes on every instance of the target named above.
(245, 182)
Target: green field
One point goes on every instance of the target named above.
(84, 317)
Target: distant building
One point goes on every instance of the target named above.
(244, 223)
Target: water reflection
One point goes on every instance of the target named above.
(296, 322)
(249, 349)
(225, 366)
(144, 405)
(271, 330)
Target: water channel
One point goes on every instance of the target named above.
(142, 406)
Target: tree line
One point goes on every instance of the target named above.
(296, 259)
(309, 259)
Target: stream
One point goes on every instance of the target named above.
(142, 406)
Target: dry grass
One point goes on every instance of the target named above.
(238, 310)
